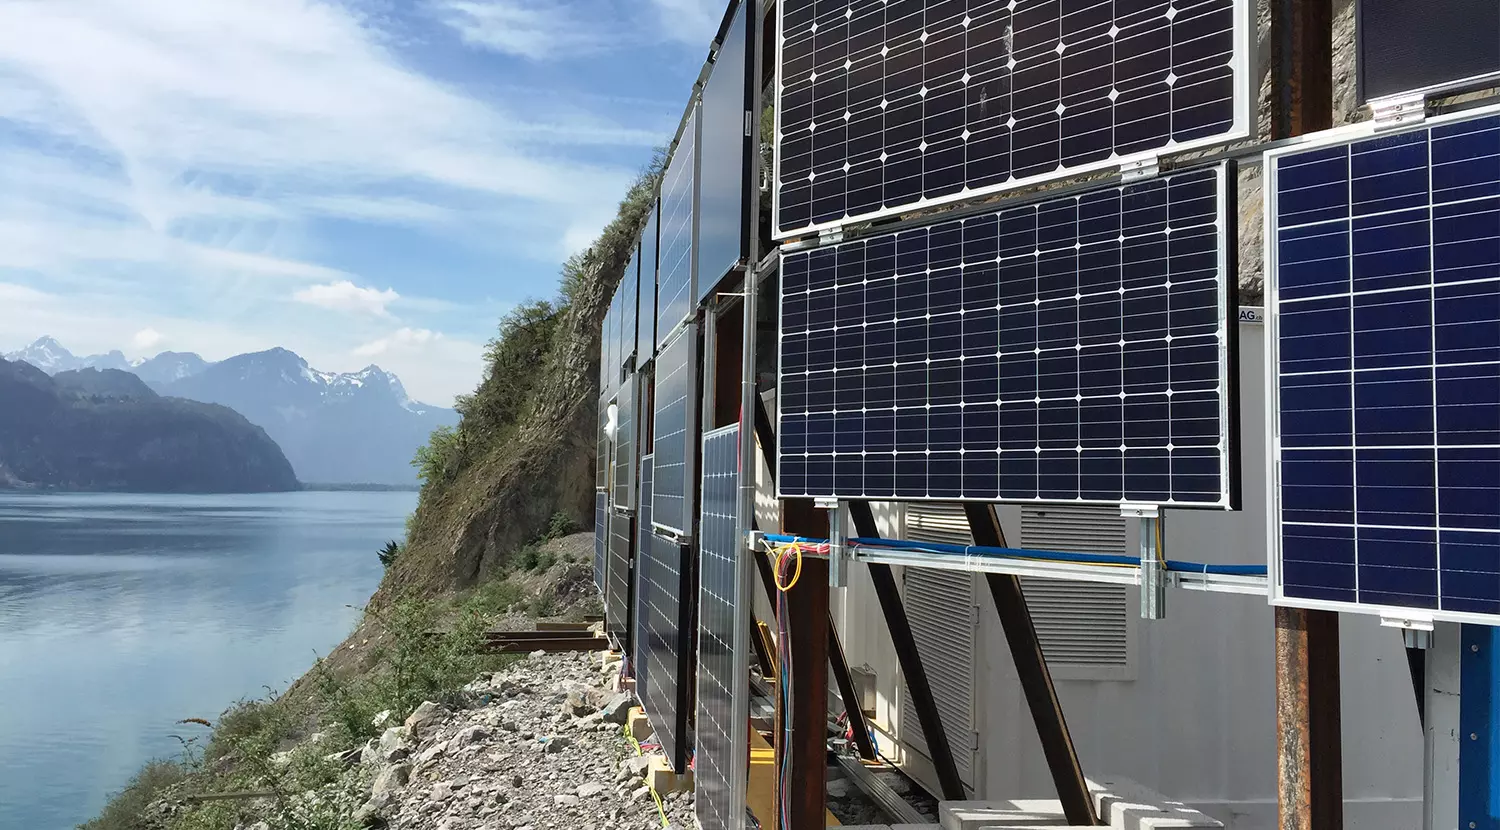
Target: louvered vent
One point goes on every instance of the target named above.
(1080, 624)
(940, 606)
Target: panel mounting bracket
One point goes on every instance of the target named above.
(672, 535)
(1145, 168)
(1153, 559)
(830, 236)
(1412, 622)
(1399, 110)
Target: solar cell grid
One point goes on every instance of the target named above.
(602, 457)
(601, 537)
(646, 299)
(1071, 349)
(676, 284)
(667, 574)
(640, 610)
(1385, 337)
(885, 105)
(722, 739)
(676, 433)
(617, 578)
(625, 445)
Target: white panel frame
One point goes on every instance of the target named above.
(1246, 100)
(1395, 615)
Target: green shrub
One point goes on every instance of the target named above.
(493, 597)
(560, 525)
(125, 808)
(388, 553)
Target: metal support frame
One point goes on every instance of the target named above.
(1036, 680)
(802, 734)
(1478, 741)
(950, 783)
(1441, 741)
(1153, 559)
(1310, 759)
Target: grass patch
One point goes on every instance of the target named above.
(125, 808)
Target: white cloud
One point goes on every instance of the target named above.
(346, 296)
(693, 22)
(535, 29)
(402, 339)
(146, 338)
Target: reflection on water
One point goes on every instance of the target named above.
(122, 614)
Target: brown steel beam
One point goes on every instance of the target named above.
(802, 733)
(1036, 680)
(910, 661)
(1308, 717)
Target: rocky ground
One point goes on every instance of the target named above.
(540, 745)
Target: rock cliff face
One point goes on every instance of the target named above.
(106, 430)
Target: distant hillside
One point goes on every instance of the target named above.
(105, 430)
(336, 428)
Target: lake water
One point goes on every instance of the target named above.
(122, 614)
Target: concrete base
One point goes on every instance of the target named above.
(661, 778)
(1121, 803)
(638, 724)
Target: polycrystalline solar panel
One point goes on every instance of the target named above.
(888, 105)
(676, 280)
(1384, 336)
(640, 609)
(617, 578)
(1435, 44)
(724, 195)
(721, 744)
(667, 573)
(601, 537)
(625, 445)
(645, 346)
(676, 433)
(1068, 350)
(629, 285)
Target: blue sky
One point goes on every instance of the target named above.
(366, 181)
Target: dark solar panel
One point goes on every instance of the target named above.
(667, 576)
(676, 292)
(884, 106)
(1385, 325)
(601, 537)
(640, 610)
(629, 284)
(602, 457)
(1407, 47)
(724, 196)
(676, 431)
(645, 346)
(1073, 349)
(625, 445)
(721, 744)
(617, 578)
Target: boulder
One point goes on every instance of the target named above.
(390, 779)
(591, 789)
(392, 745)
(617, 710)
(427, 715)
(469, 735)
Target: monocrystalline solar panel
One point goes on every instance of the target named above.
(1427, 46)
(629, 284)
(724, 196)
(602, 457)
(618, 578)
(640, 609)
(888, 105)
(1384, 337)
(667, 574)
(721, 744)
(625, 445)
(676, 281)
(601, 538)
(1073, 349)
(676, 433)
(645, 346)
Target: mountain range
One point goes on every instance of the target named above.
(92, 429)
(335, 428)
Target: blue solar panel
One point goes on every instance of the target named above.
(1072, 349)
(630, 282)
(617, 579)
(666, 570)
(625, 429)
(885, 106)
(722, 734)
(676, 292)
(645, 346)
(1385, 337)
(601, 538)
(602, 457)
(676, 433)
(640, 610)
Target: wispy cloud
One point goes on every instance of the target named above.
(535, 29)
(146, 339)
(347, 297)
(402, 338)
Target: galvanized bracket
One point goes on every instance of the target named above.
(1145, 168)
(1153, 559)
(838, 570)
(1399, 110)
(672, 535)
(1413, 622)
(831, 236)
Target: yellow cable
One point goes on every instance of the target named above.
(661, 808)
(796, 575)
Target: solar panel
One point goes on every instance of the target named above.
(724, 196)
(625, 445)
(887, 106)
(601, 537)
(1073, 349)
(645, 346)
(617, 578)
(611, 335)
(1384, 335)
(630, 282)
(1428, 46)
(676, 429)
(721, 744)
(602, 456)
(640, 610)
(676, 280)
(667, 575)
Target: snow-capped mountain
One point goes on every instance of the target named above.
(336, 428)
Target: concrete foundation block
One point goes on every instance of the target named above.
(1013, 814)
(638, 724)
(661, 778)
(1126, 805)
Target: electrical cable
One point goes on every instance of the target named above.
(797, 549)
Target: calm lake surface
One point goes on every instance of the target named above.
(122, 614)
